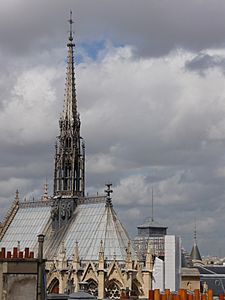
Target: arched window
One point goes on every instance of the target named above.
(113, 290)
(54, 286)
(92, 287)
(68, 142)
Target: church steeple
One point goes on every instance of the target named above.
(70, 101)
(69, 173)
(195, 253)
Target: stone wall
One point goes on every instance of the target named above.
(20, 286)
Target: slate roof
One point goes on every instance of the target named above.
(215, 284)
(93, 223)
(30, 220)
(214, 276)
(212, 269)
(90, 223)
(195, 253)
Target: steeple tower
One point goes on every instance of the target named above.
(69, 173)
(195, 253)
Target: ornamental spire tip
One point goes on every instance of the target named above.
(71, 26)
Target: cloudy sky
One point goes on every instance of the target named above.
(150, 79)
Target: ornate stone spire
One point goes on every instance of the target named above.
(17, 199)
(129, 256)
(69, 174)
(101, 254)
(76, 252)
(76, 259)
(149, 257)
(101, 272)
(62, 262)
(70, 102)
(45, 195)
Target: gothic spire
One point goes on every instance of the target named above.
(70, 102)
(45, 196)
(195, 253)
(195, 233)
(69, 173)
(17, 196)
(71, 27)
(76, 253)
(152, 207)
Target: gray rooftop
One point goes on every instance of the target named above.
(91, 223)
(195, 253)
(214, 276)
(149, 222)
(30, 220)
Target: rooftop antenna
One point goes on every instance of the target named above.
(152, 206)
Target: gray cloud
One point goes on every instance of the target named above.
(147, 119)
(154, 27)
(203, 62)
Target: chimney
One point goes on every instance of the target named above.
(41, 270)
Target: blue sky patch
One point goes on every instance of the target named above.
(91, 49)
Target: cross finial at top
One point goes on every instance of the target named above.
(195, 232)
(71, 26)
(108, 191)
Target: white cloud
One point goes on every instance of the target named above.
(31, 108)
(147, 122)
(7, 186)
(133, 190)
(144, 105)
(100, 163)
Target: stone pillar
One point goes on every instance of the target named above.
(41, 269)
(147, 282)
(129, 266)
(147, 272)
(128, 257)
(129, 279)
(62, 268)
(76, 266)
(149, 259)
(62, 262)
(101, 273)
(62, 282)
